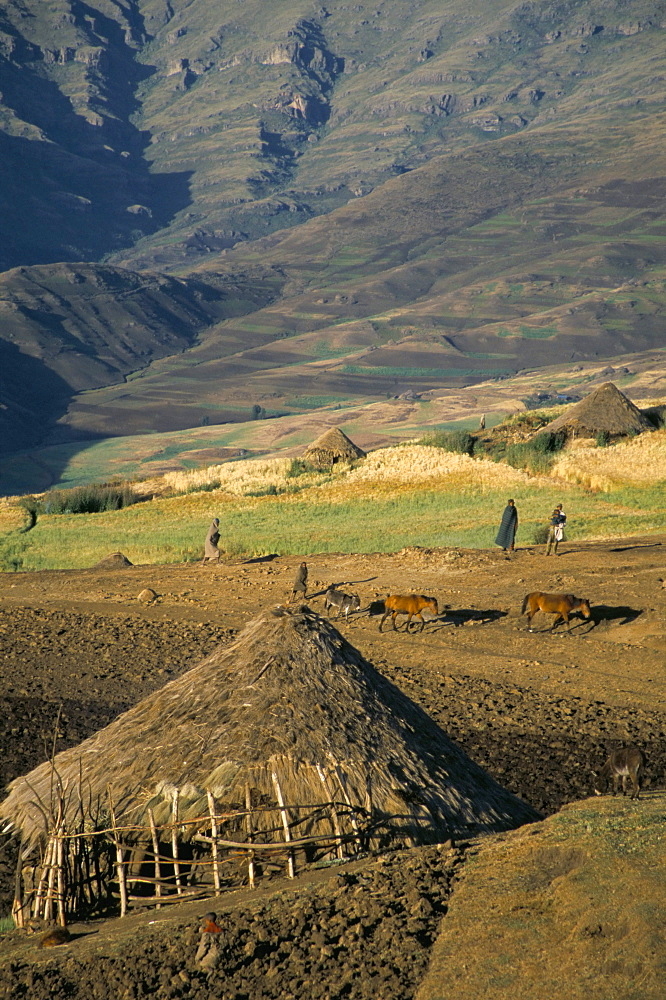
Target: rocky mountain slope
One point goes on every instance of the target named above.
(402, 195)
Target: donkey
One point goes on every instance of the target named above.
(561, 605)
(343, 602)
(624, 763)
(410, 605)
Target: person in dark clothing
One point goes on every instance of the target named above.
(300, 583)
(211, 550)
(506, 536)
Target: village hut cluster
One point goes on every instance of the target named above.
(285, 748)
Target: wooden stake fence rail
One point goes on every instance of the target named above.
(75, 865)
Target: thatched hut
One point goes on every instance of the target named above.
(288, 737)
(332, 447)
(604, 410)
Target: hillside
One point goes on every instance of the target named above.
(358, 201)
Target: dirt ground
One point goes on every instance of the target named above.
(536, 709)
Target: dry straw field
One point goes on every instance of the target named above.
(404, 495)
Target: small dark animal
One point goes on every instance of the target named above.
(300, 585)
(343, 602)
(58, 936)
(410, 605)
(560, 605)
(624, 763)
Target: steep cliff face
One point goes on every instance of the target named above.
(73, 180)
(161, 130)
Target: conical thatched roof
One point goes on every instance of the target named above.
(290, 698)
(333, 446)
(605, 409)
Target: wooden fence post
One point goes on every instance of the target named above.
(120, 860)
(285, 824)
(174, 840)
(250, 835)
(213, 846)
(156, 852)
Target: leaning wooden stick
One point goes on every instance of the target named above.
(285, 824)
(334, 812)
(120, 861)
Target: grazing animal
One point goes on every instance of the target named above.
(560, 605)
(58, 936)
(343, 602)
(624, 763)
(410, 605)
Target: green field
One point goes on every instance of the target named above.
(334, 517)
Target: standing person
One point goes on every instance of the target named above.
(554, 532)
(211, 550)
(301, 582)
(506, 536)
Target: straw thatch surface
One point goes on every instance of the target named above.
(605, 409)
(290, 694)
(332, 447)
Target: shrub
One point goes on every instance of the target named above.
(540, 536)
(299, 467)
(536, 455)
(89, 499)
(602, 439)
(461, 442)
(266, 491)
(214, 484)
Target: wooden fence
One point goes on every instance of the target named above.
(86, 870)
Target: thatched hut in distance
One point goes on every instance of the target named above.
(604, 410)
(332, 447)
(288, 738)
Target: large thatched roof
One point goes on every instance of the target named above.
(290, 698)
(333, 446)
(605, 409)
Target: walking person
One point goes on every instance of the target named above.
(300, 583)
(506, 536)
(211, 551)
(555, 532)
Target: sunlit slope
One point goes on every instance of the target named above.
(180, 128)
(520, 253)
(408, 495)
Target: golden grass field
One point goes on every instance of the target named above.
(399, 496)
